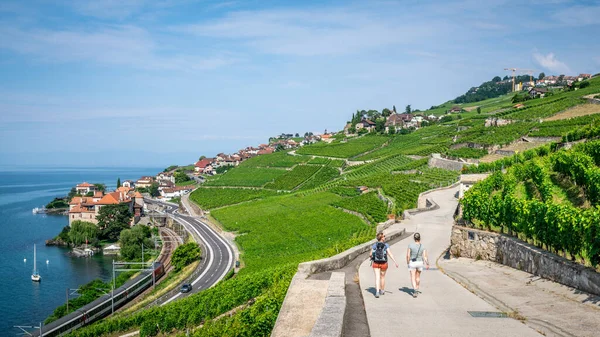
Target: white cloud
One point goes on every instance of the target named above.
(326, 31)
(115, 45)
(578, 15)
(551, 63)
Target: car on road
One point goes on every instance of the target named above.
(186, 288)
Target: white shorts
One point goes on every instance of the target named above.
(416, 265)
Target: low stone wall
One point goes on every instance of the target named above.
(447, 164)
(331, 318)
(482, 245)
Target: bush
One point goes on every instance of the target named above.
(184, 255)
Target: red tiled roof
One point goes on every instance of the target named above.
(203, 163)
(85, 184)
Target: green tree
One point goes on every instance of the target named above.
(201, 157)
(184, 255)
(118, 182)
(153, 190)
(408, 109)
(478, 109)
(392, 130)
(131, 241)
(496, 79)
(112, 219)
(380, 125)
(100, 187)
(81, 231)
(394, 108)
(541, 76)
(181, 177)
(386, 112)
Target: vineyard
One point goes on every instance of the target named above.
(347, 149)
(324, 175)
(369, 205)
(246, 176)
(293, 178)
(208, 198)
(548, 196)
(277, 159)
(550, 201)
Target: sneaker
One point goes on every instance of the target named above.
(376, 295)
(382, 292)
(415, 293)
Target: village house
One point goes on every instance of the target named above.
(366, 124)
(537, 92)
(175, 192)
(88, 208)
(582, 77)
(394, 120)
(166, 176)
(455, 109)
(144, 182)
(327, 138)
(128, 183)
(85, 188)
(200, 165)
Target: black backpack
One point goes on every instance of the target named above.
(380, 254)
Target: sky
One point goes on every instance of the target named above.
(161, 82)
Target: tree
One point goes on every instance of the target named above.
(386, 112)
(184, 255)
(118, 182)
(82, 232)
(153, 190)
(131, 241)
(380, 125)
(112, 219)
(408, 109)
(181, 177)
(72, 193)
(478, 109)
(506, 78)
(394, 108)
(201, 157)
(391, 130)
(496, 79)
(541, 76)
(100, 187)
(297, 135)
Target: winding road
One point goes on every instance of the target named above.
(218, 256)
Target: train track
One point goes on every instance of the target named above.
(170, 241)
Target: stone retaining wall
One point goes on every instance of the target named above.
(447, 164)
(482, 245)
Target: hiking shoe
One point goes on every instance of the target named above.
(376, 295)
(382, 292)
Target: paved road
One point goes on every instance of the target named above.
(218, 257)
(442, 308)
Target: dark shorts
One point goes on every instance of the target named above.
(383, 266)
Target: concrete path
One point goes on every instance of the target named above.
(549, 307)
(442, 308)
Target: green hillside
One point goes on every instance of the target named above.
(286, 208)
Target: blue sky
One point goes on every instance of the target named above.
(154, 83)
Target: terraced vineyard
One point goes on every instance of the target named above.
(421, 142)
(277, 159)
(323, 176)
(246, 176)
(293, 178)
(348, 149)
(208, 198)
(369, 205)
(386, 165)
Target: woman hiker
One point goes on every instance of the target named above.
(379, 253)
(416, 255)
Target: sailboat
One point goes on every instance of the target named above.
(35, 276)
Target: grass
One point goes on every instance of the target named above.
(276, 159)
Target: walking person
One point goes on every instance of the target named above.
(379, 254)
(416, 259)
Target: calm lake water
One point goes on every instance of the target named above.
(23, 302)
